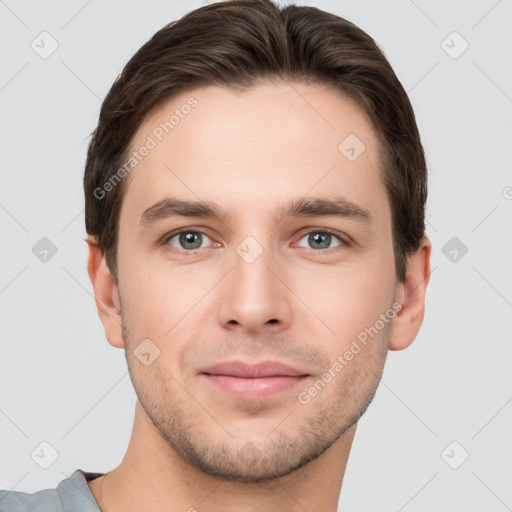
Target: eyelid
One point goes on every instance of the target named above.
(341, 236)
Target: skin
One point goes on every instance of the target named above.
(193, 446)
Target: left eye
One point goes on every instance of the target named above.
(320, 240)
(189, 240)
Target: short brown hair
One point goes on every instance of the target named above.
(238, 44)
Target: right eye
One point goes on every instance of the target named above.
(188, 240)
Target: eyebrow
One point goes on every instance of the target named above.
(305, 207)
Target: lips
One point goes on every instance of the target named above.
(252, 382)
(246, 371)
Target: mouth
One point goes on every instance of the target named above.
(253, 382)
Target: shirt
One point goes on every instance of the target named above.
(71, 495)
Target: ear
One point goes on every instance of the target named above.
(106, 295)
(406, 324)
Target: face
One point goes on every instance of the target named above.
(288, 259)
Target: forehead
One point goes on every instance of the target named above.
(251, 148)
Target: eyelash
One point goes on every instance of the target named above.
(345, 241)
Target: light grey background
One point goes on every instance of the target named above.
(60, 380)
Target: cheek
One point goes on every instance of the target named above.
(159, 300)
(346, 300)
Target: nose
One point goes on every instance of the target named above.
(254, 298)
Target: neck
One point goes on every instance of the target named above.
(153, 477)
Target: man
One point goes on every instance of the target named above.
(255, 197)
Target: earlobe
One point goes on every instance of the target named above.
(407, 323)
(106, 295)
